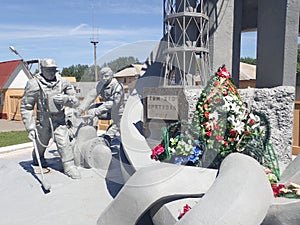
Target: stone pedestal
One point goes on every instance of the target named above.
(162, 107)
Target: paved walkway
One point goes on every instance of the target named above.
(11, 125)
(75, 202)
(23, 200)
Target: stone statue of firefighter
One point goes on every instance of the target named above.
(50, 93)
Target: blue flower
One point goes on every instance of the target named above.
(193, 158)
(181, 160)
(197, 151)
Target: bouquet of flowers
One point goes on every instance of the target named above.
(222, 124)
(180, 148)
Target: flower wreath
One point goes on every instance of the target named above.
(222, 124)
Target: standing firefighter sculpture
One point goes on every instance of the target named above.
(50, 93)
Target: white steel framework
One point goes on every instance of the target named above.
(186, 30)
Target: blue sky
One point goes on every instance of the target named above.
(63, 29)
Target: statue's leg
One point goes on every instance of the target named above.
(42, 140)
(65, 150)
(114, 129)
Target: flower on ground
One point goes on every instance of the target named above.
(186, 208)
(276, 189)
(156, 151)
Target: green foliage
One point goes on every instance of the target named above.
(252, 61)
(13, 138)
(85, 73)
(248, 60)
(77, 71)
(120, 63)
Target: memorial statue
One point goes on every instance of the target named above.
(50, 93)
(111, 108)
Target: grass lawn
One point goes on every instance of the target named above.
(13, 138)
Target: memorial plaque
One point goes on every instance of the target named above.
(162, 107)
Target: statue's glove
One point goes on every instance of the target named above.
(78, 112)
(31, 135)
(61, 99)
(97, 111)
(93, 112)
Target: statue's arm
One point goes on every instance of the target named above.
(113, 101)
(70, 94)
(29, 99)
(89, 99)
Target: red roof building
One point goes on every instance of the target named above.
(13, 78)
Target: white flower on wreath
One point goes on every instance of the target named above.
(213, 116)
(172, 150)
(255, 118)
(237, 125)
(227, 102)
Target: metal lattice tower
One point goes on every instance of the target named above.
(186, 30)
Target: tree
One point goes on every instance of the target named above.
(120, 63)
(248, 60)
(77, 71)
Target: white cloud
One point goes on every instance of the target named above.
(35, 32)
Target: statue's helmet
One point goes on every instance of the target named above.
(106, 70)
(48, 63)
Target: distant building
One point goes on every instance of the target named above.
(129, 75)
(13, 78)
(71, 79)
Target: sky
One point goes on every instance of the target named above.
(63, 29)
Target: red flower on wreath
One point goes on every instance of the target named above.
(206, 114)
(223, 72)
(252, 122)
(209, 133)
(232, 132)
(156, 151)
(217, 127)
(219, 138)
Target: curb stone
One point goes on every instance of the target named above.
(18, 147)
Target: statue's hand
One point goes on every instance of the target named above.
(78, 112)
(92, 112)
(60, 99)
(31, 135)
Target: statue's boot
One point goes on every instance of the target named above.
(71, 170)
(44, 163)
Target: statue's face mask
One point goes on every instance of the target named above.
(48, 72)
(107, 78)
